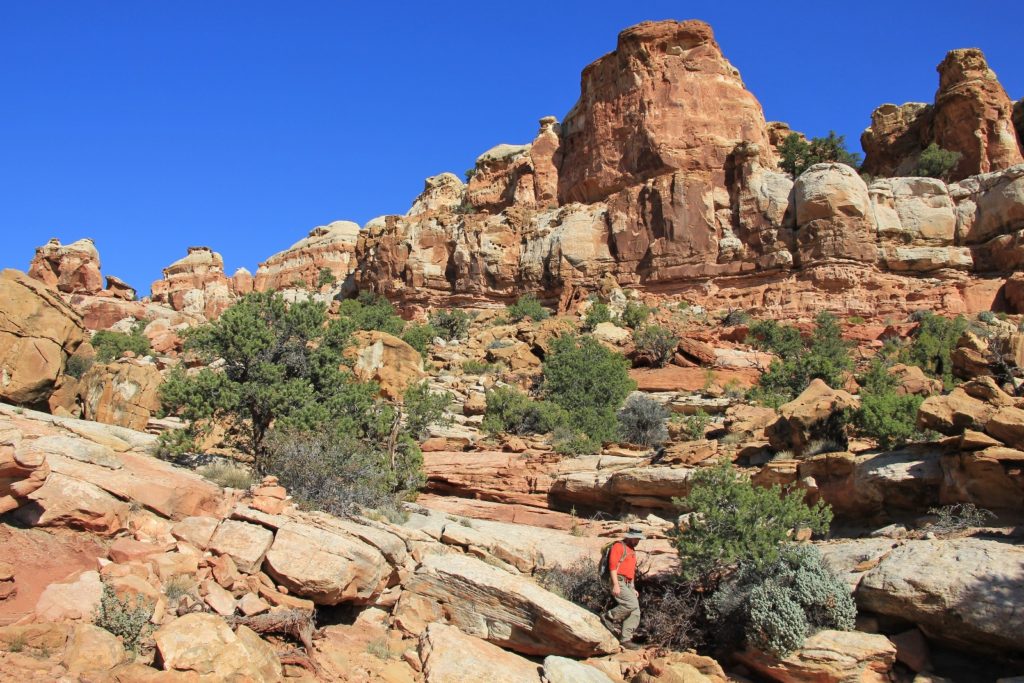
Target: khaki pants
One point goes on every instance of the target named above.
(627, 609)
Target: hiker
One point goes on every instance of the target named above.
(622, 571)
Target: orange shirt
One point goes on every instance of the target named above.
(626, 564)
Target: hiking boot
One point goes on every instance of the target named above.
(609, 624)
(630, 645)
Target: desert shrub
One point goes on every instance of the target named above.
(635, 314)
(78, 366)
(326, 278)
(128, 618)
(511, 411)
(597, 313)
(590, 382)
(339, 475)
(825, 356)
(110, 345)
(936, 162)
(739, 523)
(423, 408)
(655, 345)
(568, 441)
(452, 323)
(734, 317)
(479, 367)
(959, 517)
(934, 342)
(175, 444)
(371, 312)
(987, 317)
(419, 337)
(180, 585)
(227, 475)
(799, 154)
(776, 606)
(642, 421)
(580, 583)
(884, 414)
(526, 306)
(694, 425)
(855, 320)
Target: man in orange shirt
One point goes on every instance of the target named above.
(622, 567)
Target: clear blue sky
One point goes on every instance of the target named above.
(152, 126)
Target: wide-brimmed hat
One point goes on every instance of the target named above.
(634, 533)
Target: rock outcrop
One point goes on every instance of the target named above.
(830, 657)
(327, 248)
(72, 268)
(971, 115)
(38, 332)
(196, 284)
(123, 393)
(386, 360)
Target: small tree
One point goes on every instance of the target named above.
(635, 314)
(934, 342)
(885, 414)
(597, 313)
(423, 408)
(511, 411)
(451, 324)
(590, 382)
(326, 278)
(655, 345)
(736, 522)
(798, 154)
(936, 162)
(419, 336)
(370, 312)
(110, 345)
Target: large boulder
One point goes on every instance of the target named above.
(326, 565)
(833, 216)
(92, 651)
(388, 361)
(205, 644)
(965, 592)
(509, 610)
(811, 415)
(696, 110)
(328, 247)
(450, 656)
(124, 393)
(247, 544)
(830, 657)
(22, 471)
(38, 332)
(72, 268)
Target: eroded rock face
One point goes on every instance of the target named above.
(72, 268)
(971, 115)
(695, 110)
(329, 247)
(833, 216)
(123, 393)
(38, 332)
(830, 657)
(196, 284)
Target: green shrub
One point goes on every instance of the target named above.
(695, 425)
(227, 475)
(590, 382)
(424, 408)
(370, 312)
(855, 320)
(128, 618)
(175, 444)
(775, 607)
(451, 324)
(78, 366)
(479, 367)
(655, 345)
(642, 421)
(934, 342)
(513, 412)
(825, 356)
(739, 523)
(734, 317)
(326, 278)
(798, 154)
(597, 313)
(567, 441)
(936, 162)
(987, 317)
(110, 345)
(635, 314)
(526, 307)
(884, 414)
(420, 336)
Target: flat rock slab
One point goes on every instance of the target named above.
(451, 656)
(245, 543)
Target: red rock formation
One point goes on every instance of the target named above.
(972, 115)
(327, 247)
(74, 268)
(196, 284)
(1018, 121)
(666, 100)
